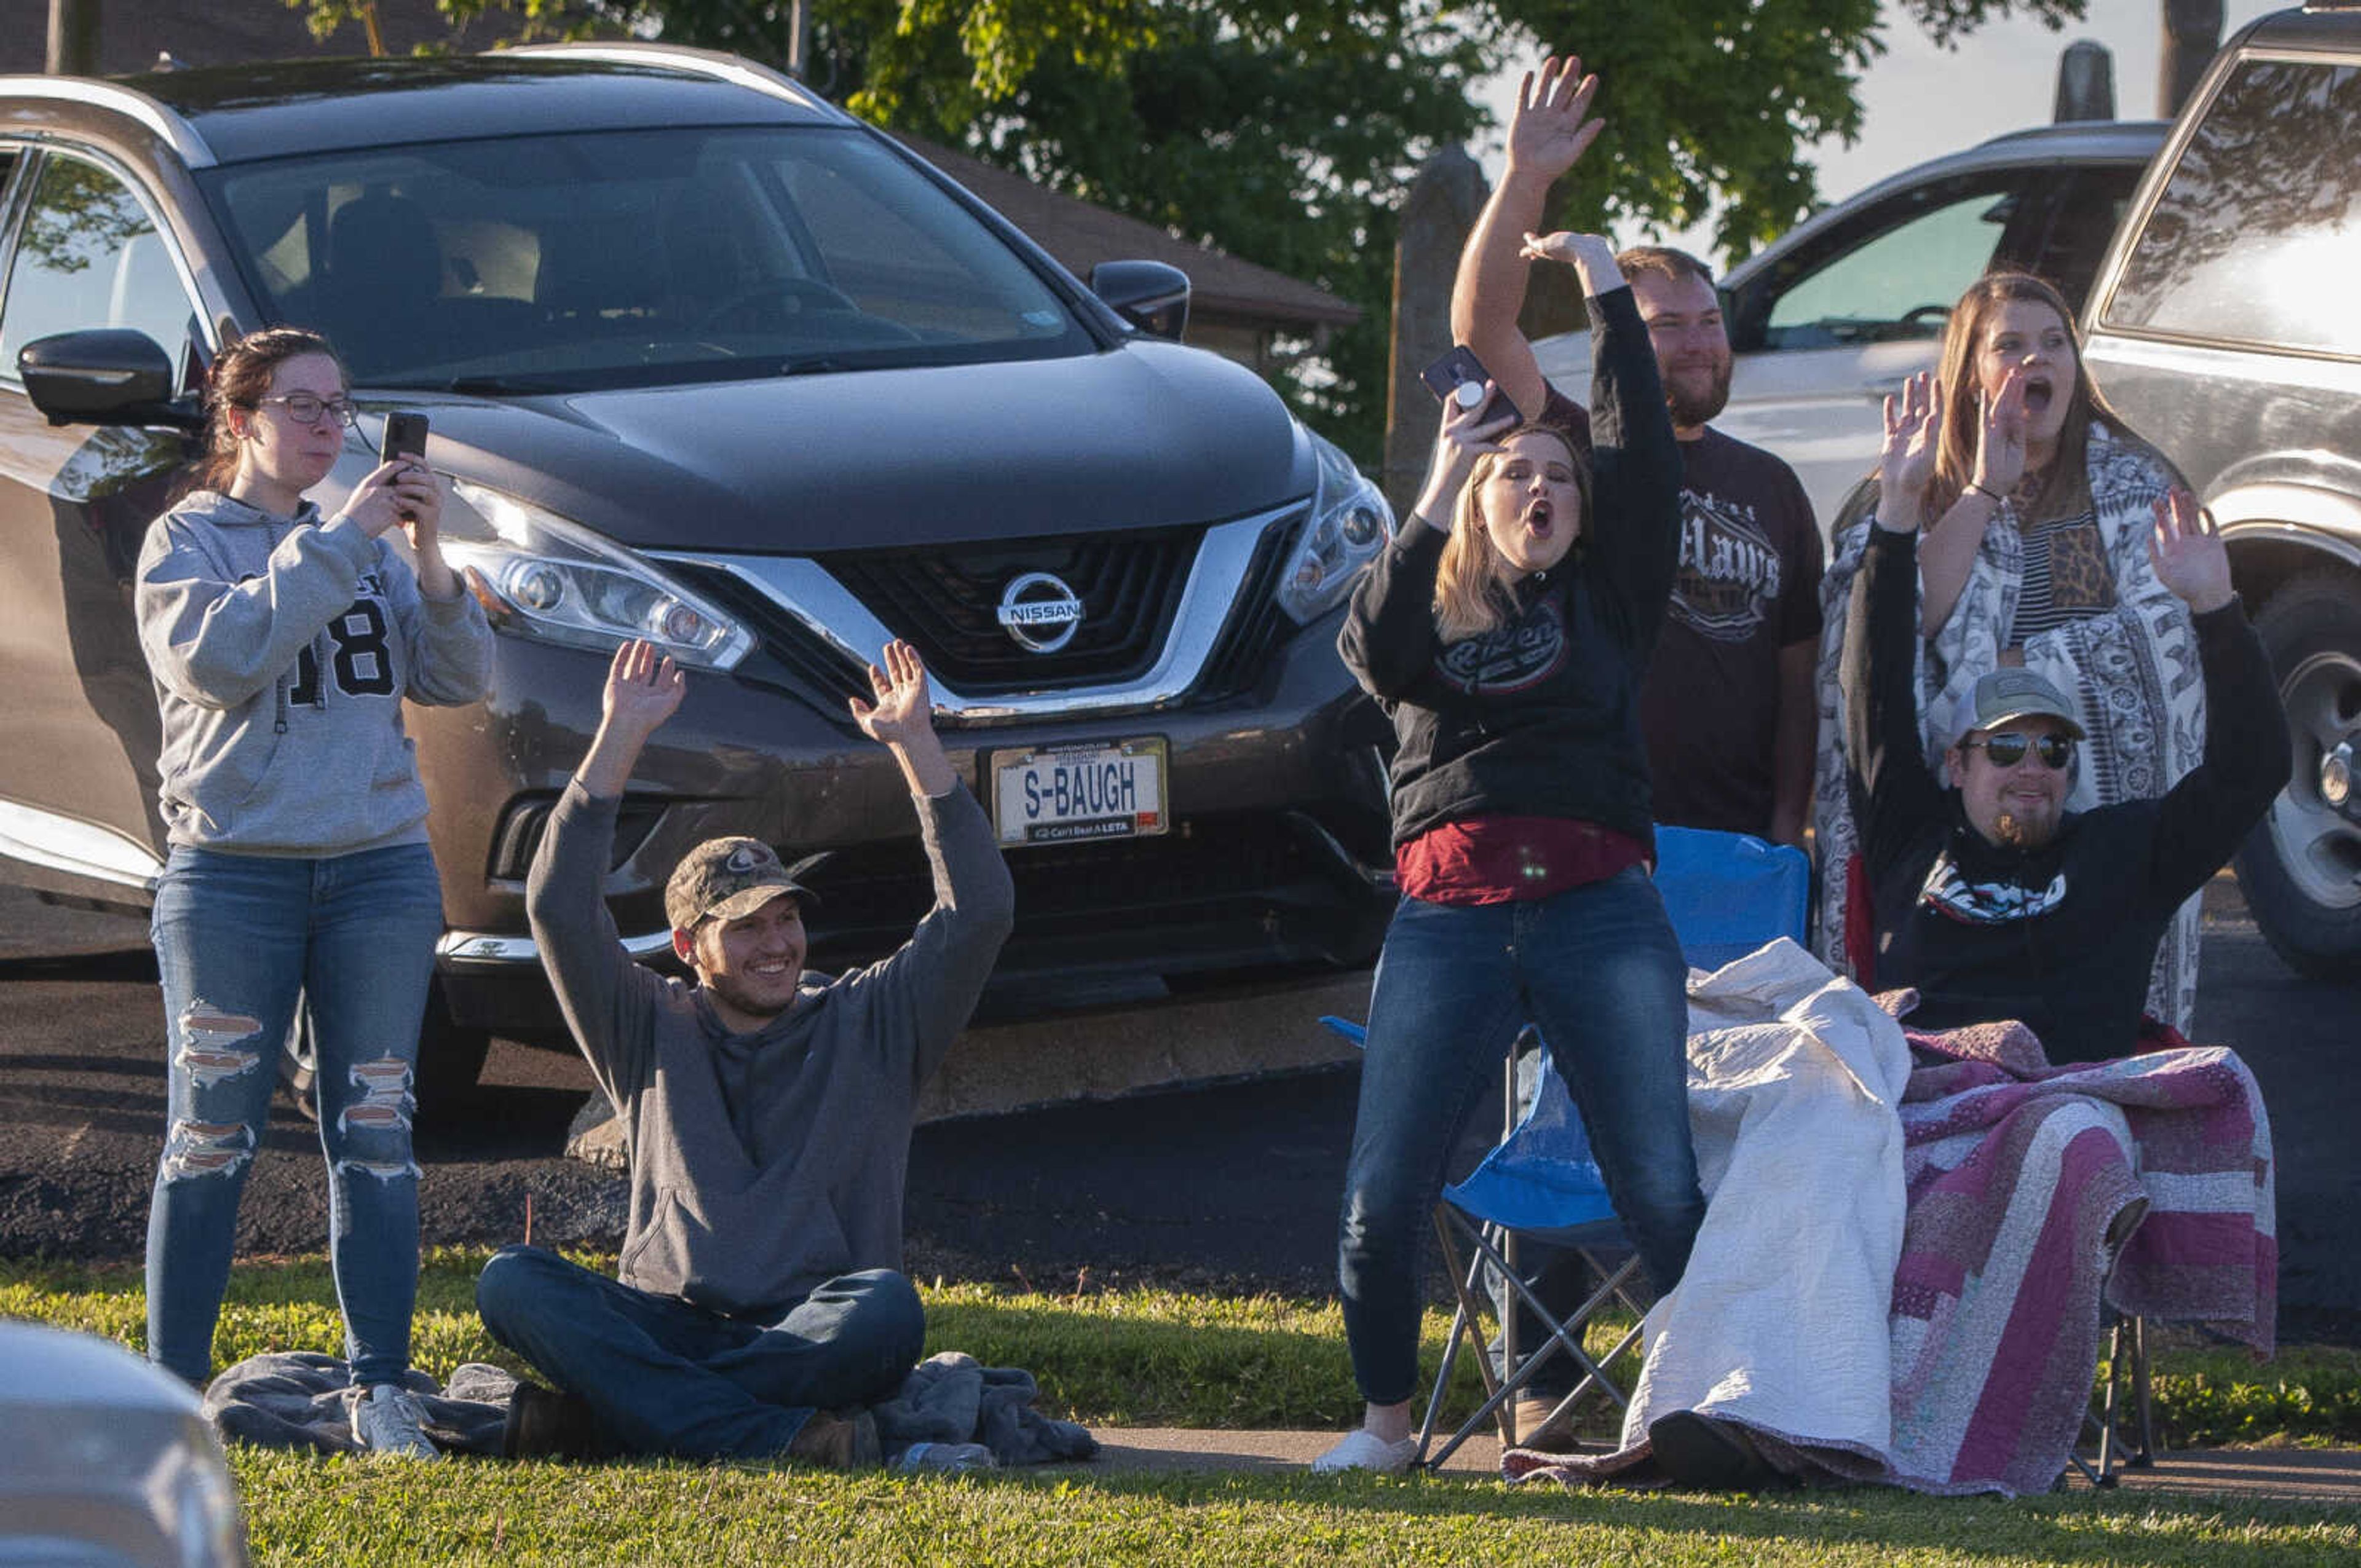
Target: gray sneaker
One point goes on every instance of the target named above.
(388, 1420)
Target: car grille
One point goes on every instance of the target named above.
(1202, 861)
(1257, 624)
(947, 602)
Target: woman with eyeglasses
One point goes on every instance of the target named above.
(283, 642)
(2034, 503)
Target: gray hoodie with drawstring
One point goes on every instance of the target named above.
(282, 648)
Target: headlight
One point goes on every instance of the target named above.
(559, 582)
(1349, 523)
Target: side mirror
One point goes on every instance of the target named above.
(1150, 295)
(104, 376)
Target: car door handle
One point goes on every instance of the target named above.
(1887, 387)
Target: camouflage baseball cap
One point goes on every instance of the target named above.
(2005, 695)
(722, 879)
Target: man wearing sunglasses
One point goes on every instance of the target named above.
(1993, 900)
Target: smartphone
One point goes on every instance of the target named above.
(405, 435)
(1458, 368)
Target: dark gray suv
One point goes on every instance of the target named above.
(709, 362)
(2226, 325)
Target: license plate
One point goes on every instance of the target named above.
(1067, 793)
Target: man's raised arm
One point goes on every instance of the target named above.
(606, 996)
(936, 976)
(1547, 132)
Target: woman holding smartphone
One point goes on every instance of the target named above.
(283, 643)
(1505, 630)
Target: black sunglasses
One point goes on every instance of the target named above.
(2008, 748)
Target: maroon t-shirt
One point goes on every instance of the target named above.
(1749, 586)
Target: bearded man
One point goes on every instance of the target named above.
(1991, 899)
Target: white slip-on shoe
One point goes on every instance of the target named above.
(1365, 1450)
(388, 1420)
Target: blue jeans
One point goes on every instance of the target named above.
(666, 1377)
(237, 939)
(1598, 969)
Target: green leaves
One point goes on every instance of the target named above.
(1286, 133)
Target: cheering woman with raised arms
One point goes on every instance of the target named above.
(1505, 630)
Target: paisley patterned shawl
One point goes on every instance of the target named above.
(2132, 672)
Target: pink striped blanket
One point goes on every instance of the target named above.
(2023, 1180)
(2024, 1184)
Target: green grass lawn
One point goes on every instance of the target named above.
(1137, 1356)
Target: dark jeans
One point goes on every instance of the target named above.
(666, 1377)
(1598, 969)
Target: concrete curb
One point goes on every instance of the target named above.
(2328, 1477)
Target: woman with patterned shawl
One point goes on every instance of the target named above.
(2035, 553)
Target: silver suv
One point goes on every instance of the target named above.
(2227, 327)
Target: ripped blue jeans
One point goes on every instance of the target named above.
(237, 939)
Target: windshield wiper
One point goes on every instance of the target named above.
(812, 364)
(480, 386)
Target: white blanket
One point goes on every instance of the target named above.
(1796, 1082)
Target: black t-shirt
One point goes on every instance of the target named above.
(1749, 586)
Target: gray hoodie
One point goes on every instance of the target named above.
(764, 1164)
(282, 650)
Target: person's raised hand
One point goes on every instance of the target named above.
(2187, 551)
(643, 689)
(1467, 434)
(902, 708)
(2000, 437)
(1548, 132)
(1590, 255)
(1906, 460)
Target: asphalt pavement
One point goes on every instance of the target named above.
(1233, 1185)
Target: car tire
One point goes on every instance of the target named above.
(2301, 868)
(450, 1059)
(299, 1066)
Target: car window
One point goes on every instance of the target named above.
(2255, 236)
(89, 256)
(633, 258)
(2083, 206)
(1892, 273)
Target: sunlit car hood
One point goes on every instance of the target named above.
(1148, 434)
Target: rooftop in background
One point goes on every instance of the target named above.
(1080, 235)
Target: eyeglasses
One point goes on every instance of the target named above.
(2008, 748)
(305, 409)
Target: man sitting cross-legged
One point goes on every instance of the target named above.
(1993, 900)
(768, 1119)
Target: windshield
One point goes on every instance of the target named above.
(632, 259)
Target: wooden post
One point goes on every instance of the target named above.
(1444, 200)
(73, 38)
(2192, 32)
(2086, 84)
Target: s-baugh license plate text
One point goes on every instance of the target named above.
(1080, 792)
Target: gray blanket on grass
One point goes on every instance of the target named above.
(297, 1399)
(948, 1397)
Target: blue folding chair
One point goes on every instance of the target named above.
(1728, 893)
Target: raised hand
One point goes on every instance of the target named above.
(2000, 438)
(1467, 434)
(902, 710)
(643, 689)
(1591, 255)
(2187, 551)
(1905, 461)
(1547, 132)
